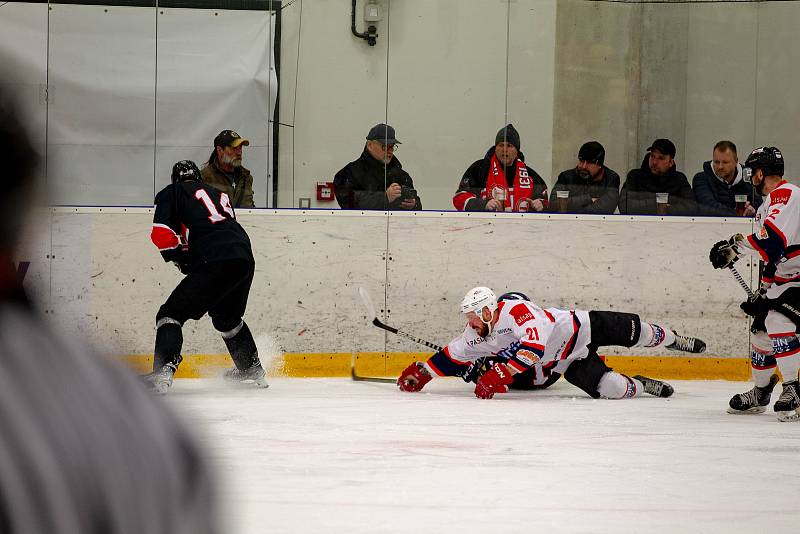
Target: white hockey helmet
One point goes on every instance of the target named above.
(478, 297)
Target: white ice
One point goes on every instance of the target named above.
(332, 455)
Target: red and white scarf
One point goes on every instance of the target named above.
(497, 185)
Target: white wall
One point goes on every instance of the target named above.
(102, 278)
(118, 94)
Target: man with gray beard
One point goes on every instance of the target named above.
(224, 170)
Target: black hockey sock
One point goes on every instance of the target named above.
(242, 346)
(169, 340)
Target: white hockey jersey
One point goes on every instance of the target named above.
(777, 238)
(526, 335)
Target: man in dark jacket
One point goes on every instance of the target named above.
(657, 175)
(376, 180)
(593, 187)
(721, 181)
(224, 170)
(501, 181)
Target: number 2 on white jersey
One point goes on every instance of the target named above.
(213, 215)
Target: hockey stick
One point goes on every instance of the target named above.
(741, 281)
(376, 322)
(367, 301)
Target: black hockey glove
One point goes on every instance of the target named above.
(756, 307)
(478, 367)
(723, 254)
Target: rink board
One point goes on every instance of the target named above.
(96, 275)
(376, 364)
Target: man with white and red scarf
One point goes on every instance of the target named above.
(501, 181)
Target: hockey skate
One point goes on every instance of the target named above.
(754, 401)
(687, 344)
(655, 387)
(160, 381)
(254, 374)
(788, 404)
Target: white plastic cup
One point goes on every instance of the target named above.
(662, 203)
(562, 197)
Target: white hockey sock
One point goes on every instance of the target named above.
(653, 335)
(616, 386)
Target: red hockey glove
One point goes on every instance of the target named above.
(495, 380)
(413, 378)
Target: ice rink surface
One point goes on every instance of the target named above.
(332, 455)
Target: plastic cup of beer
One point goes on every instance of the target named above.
(662, 203)
(563, 201)
(741, 200)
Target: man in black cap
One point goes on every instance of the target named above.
(593, 187)
(376, 180)
(657, 181)
(501, 181)
(224, 169)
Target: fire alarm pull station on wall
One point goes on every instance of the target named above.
(325, 191)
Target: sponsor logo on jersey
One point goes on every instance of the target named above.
(762, 233)
(527, 357)
(476, 341)
(502, 331)
(509, 351)
(521, 314)
(780, 196)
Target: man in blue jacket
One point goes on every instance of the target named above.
(721, 181)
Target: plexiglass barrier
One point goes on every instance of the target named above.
(117, 92)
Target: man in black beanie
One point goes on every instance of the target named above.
(501, 181)
(593, 187)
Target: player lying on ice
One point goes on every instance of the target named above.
(776, 307)
(511, 342)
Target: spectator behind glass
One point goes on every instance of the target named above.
(501, 181)
(376, 180)
(224, 169)
(593, 187)
(721, 181)
(83, 447)
(657, 177)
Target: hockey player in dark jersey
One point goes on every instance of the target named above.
(776, 307)
(195, 226)
(510, 342)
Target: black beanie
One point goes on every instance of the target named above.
(509, 134)
(593, 152)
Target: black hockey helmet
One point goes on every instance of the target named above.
(512, 295)
(767, 158)
(185, 170)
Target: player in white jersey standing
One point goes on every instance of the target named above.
(776, 307)
(530, 347)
